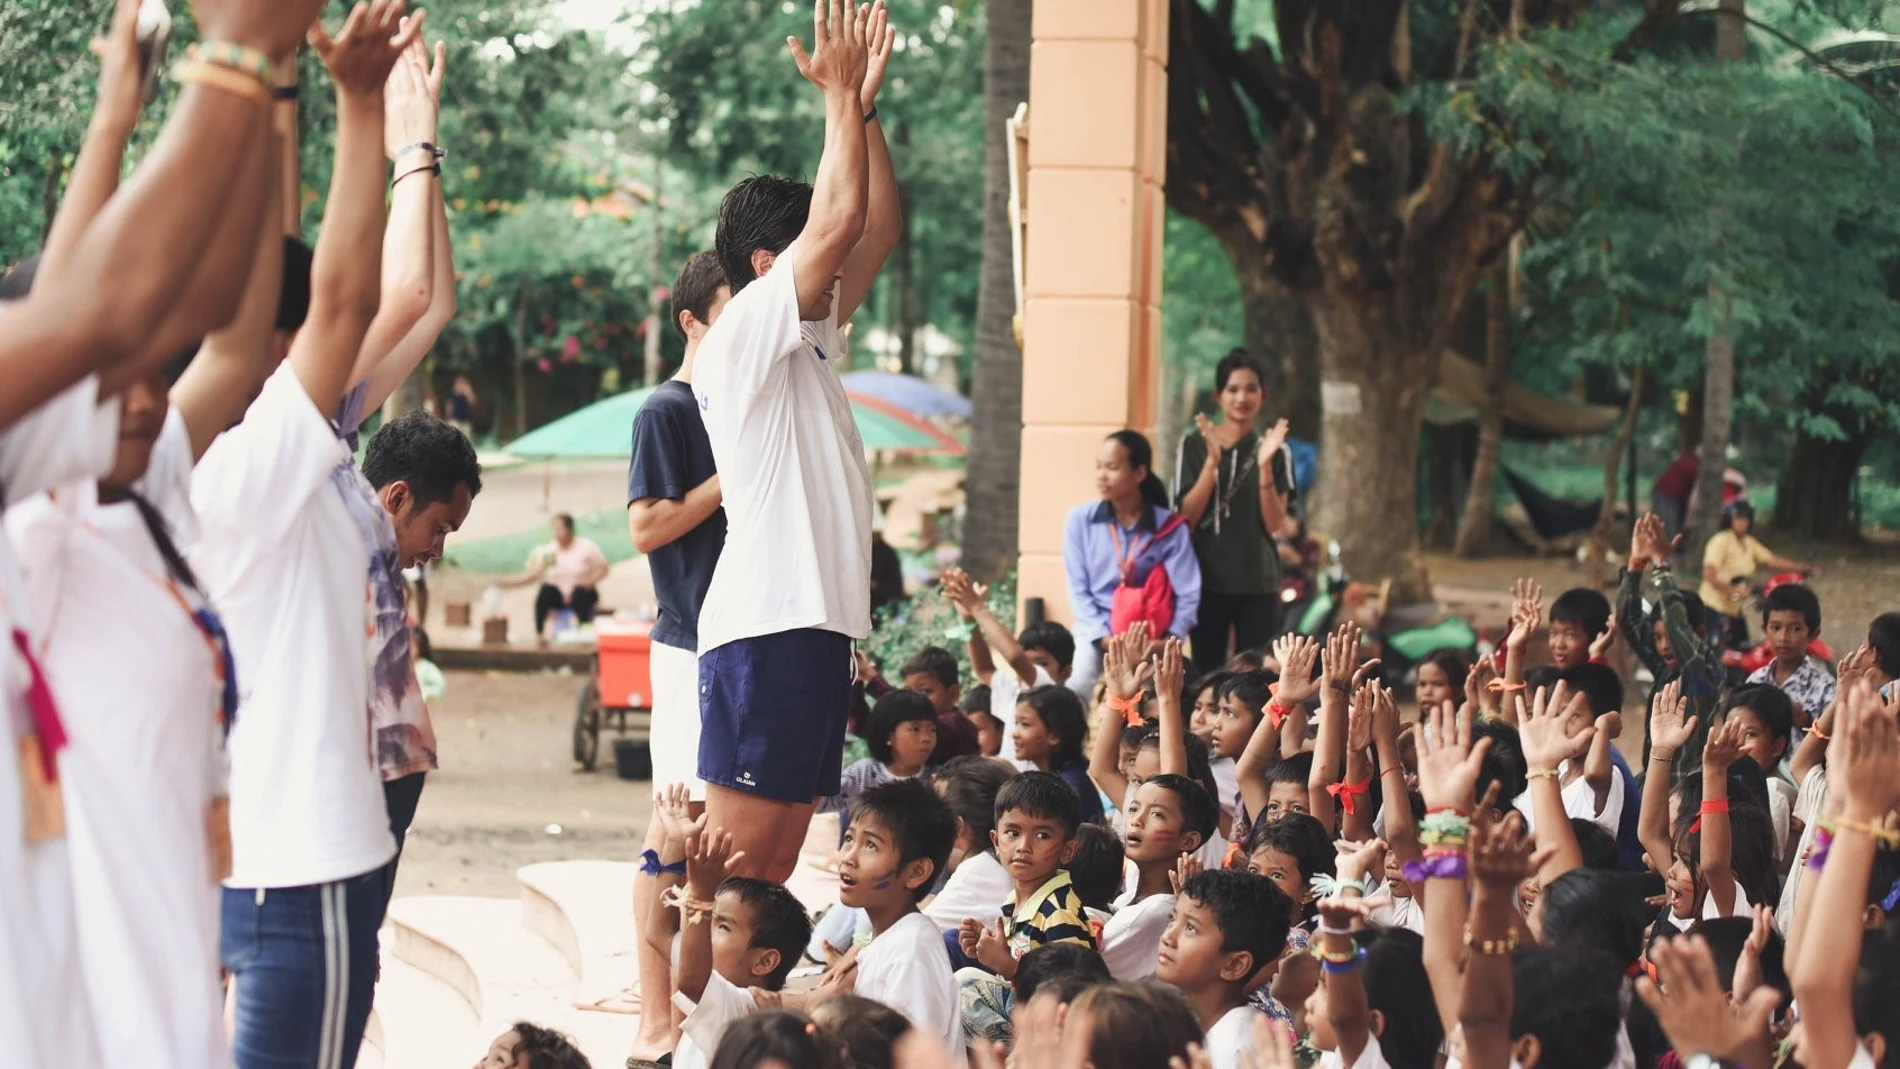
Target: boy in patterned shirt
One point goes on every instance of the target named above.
(1791, 618)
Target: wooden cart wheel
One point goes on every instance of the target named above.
(587, 715)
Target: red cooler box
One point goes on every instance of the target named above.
(626, 663)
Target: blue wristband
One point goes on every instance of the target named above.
(650, 865)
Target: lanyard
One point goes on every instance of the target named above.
(1124, 559)
(41, 710)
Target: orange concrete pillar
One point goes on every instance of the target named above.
(1092, 259)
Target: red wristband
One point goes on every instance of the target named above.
(1345, 792)
(1714, 805)
(1277, 713)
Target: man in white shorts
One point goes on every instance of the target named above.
(674, 517)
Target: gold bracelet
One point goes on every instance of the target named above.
(225, 79)
(1491, 948)
(1875, 831)
(1540, 773)
(236, 57)
(1320, 952)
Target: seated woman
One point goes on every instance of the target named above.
(568, 569)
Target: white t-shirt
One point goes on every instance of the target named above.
(1005, 689)
(1580, 801)
(139, 780)
(1230, 1041)
(719, 1006)
(791, 467)
(285, 556)
(1131, 940)
(1710, 911)
(1781, 799)
(1807, 808)
(976, 889)
(1371, 1057)
(1227, 781)
(42, 994)
(908, 969)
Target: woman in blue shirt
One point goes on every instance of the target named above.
(1102, 537)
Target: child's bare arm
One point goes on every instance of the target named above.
(1170, 674)
(1723, 748)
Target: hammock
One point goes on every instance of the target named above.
(1551, 517)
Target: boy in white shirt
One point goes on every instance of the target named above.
(1008, 664)
(899, 839)
(1168, 820)
(736, 934)
(1226, 938)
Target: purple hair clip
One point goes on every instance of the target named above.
(1892, 899)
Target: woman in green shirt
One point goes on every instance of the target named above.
(1234, 486)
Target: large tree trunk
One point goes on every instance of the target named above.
(1474, 526)
(996, 432)
(1280, 334)
(1375, 382)
(1814, 499)
(1718, 371)
(1597, 561)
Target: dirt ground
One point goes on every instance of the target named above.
(509, 793)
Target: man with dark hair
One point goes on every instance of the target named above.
(674, 517)
(426, 476)
(791, 591)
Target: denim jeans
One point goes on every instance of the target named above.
(303, 965)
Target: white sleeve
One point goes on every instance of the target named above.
(1129, 948)
(257, 475)
(718, 1007)
(913, 988)
(763, 318)
(73, 436)
(966, 895)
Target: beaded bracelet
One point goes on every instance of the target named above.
(235, 57)
(1876, 832)
(1344, 963)
(237, 83)
(1325, 885)
(1491, 948)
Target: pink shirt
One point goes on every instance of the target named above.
(565, 569)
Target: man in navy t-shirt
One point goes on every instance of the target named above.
(674, 515)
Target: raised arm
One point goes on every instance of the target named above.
(837, 65)
(1723, 748)
(1121, 659)
(1401, 828)
(102, 307)
(221, 380)
(710, 859)
(1354, 791)
(1500, 859)
(671, 806)
(1272, 500)
(1197, 471)
(1527, 614)
(1670, 729)
(1170, 675)
(1865, 775)
(1645, 541)
(991, 641)
(1448, 764)
(1339, 665)
(416, 261)
(884, 210)
(345, 273)
(96, 172)
(1546, 746)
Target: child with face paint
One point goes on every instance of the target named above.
(1169, 819)
(900, 838)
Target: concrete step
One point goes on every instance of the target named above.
(584, 909)
(419, 1022)
(481, 949)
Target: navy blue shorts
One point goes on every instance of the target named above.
(772, 713)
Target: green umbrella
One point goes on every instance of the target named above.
(605, 429)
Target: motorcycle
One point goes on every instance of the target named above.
(1400, 638)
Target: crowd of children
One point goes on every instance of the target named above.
(1272, 865)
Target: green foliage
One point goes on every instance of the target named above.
(47, 85)
(508, 554)
(928, 619)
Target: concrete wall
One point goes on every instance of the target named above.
(1092, 291)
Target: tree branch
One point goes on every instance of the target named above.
(1812, 56)
(1657, 17)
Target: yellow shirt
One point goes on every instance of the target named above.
(1731, 556)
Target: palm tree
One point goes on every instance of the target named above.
(993, 480)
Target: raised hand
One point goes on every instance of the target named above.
(1479, 697)
(961, 591)
(1448, 762)
(1501, 855)
(1125, 664)
(710, 859)
(1540, 727)
(1340, 660)
(1359, 716)
(412, 97)
(673, 808)
(121, 76)
(1270, 444)
(879, 39)
(361, 55)
(1170, 668)
(1747, 976)
(1385, 716)
(839, 60)
(1649, 542)
(1601, 645)
(1211, 437)
(1670, 728)
(1297, 683)
(1356, 860)
(1186, 867)
(1527, 612)
(1724, 747)
(1869, 769)
(1695, 1013)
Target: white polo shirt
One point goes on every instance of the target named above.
(791, 469)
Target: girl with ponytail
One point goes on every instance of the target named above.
(1127, 556)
